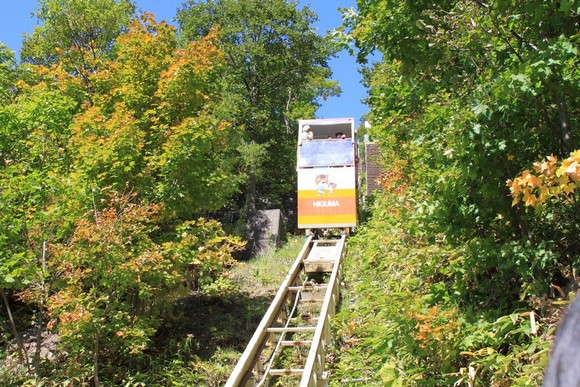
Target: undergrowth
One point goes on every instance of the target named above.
(201, 340)
(409, 317)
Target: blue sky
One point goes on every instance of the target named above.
(18, 19)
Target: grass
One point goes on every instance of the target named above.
(263, 274)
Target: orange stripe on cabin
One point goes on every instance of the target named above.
(327, 206)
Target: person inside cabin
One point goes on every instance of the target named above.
(307, 134)
(340, 136)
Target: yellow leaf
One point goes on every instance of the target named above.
(569, 188)
(529, 199)
(544, 194)
(534, 181)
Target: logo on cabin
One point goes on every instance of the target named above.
(324, 185)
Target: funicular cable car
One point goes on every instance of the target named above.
(327, 174)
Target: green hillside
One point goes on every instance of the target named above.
(133, 153)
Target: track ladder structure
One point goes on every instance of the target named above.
(288, 348)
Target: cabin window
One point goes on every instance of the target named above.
(325, 153)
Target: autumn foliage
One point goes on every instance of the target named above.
(107, 174)
(550, 179)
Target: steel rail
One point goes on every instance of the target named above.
(323, 256)
(314, 371)
(242, 372)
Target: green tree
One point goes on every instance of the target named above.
(468, 94)
(76, 32)
(33, 186)
(276, 69)
(8, 74)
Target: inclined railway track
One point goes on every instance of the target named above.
(289, 346)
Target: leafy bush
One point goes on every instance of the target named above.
(425, 313)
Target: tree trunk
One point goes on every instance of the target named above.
(96, 359)
(40, 316)
(21, 351)
(567, 139)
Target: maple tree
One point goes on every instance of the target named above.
(33, 208)
(115, 281)
(150, 127)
